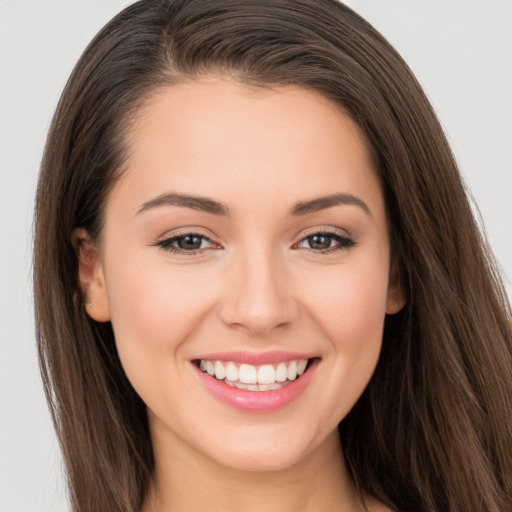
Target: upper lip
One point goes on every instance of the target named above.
(255, 358)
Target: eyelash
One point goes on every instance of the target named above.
(166, 244)
(344, 242)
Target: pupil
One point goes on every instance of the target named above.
(190, 242)
(319, 241)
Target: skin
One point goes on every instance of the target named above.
(257, 286)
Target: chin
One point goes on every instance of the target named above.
(264, 452)
(259, 459)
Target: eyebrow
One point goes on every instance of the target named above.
(207, 205)
(203, 204)
(322, 203)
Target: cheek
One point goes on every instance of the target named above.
(350, 305)
(350, 312)
(154, 308)
(154, 311)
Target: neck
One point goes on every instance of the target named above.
(187, 481)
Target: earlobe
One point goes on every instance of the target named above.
(396, 298)
(91, 276)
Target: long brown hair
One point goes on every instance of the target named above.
(433, 429)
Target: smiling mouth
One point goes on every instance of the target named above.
(267, 377)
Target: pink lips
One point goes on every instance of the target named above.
(257, 401)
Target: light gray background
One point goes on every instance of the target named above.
(461, 51)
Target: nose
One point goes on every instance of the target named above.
(260, 298)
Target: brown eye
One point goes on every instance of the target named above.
(325, 242)
(189, 242)
(320, 241)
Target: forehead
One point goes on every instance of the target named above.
(221, 139)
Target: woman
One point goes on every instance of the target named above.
(258, 280)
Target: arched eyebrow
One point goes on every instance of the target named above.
(322, 203)
(203, 204)
(207, 205)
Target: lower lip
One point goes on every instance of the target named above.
(257, 401)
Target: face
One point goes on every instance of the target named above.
(245, 267)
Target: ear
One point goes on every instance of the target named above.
(91, 277)
(396, 298)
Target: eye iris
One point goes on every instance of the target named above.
(190, 242)
(319, 241)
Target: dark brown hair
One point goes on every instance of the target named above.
(433, 429)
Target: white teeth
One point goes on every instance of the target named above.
(220, 371)
(231, 372)
(266, 374)
(292, 370)
(254, 387)
(281, 372)
(247, 374)
(270, 387)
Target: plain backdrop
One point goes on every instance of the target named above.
(461, 51)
